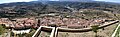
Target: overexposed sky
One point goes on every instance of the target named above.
(8, 1)
(54, 0)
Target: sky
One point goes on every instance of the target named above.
(8, 1)
(116, 1)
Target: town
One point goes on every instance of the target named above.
(24, 25)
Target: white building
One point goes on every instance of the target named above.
(21, 31)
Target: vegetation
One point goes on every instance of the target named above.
(118, 33)
(94, 29)
(30, 9)
(20, 35)
(31, 33)
(2, 30)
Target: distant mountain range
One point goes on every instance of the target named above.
(36, 8)
(77, 0)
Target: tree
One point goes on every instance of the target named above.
(2, 30)
(95, 29)
(20, 35)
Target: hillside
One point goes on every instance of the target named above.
(87, 10)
